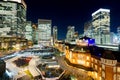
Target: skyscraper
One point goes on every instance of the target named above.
(118, 34)
(70, 33)
(44, 32)
(28, 31)
(101, 26)
(35, 33)
(55, 34)
(88, 29)
(12, 18)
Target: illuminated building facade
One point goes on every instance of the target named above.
(118, 34)
(114, 38)
(88, 29)
(101, 26)
(12, 18)
(44, 32)
(98, 63)
(85, 41)
(34, 33)
(12, 44)
(60, 46)
(70, 33)
(55, 34)
(28, 31)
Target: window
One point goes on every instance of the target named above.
(103, 74)
(88, 58)
(118, 69)
(96, 67)
(95, 61)
(118, 77)
(114, 76)
(103, 67)
(88, 64)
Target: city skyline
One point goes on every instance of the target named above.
(74, 13)
(33, 44)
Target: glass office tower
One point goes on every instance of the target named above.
(101, 26)
(44, 32)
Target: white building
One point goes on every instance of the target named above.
(12, 18)
(28, 30)
(101, 26)
(70, 33)
(44, 32)
(55, 34)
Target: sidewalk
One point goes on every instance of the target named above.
(79, 73)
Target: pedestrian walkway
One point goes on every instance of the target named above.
(77, 72)
(32, 67)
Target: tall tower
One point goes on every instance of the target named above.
(101, 26)
(28, 31)
(118, 34)
(55, 34)
(70, 33)
(44, 32)
(88, 29)
(12, 18)
(34, 34)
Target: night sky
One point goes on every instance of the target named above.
(71, 12)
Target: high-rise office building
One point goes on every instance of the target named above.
(113, 38)
(70, 33)
(44, 32)
(35, 33)
(28, 31)
(101, 26)
(55, 34)
(118, 34)
(12, 18)
(88, 29)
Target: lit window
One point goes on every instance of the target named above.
(114, 69)
(92, 59)
(103, 67)
(100, 78)
(100, 69)
(88, 64)
(114, 76)
(81, 62)
(118, 77)
(92, 64)
(88, 58)
(73, 60)
(96, 67)
(95, 61)
(103, 74)
(118, 69)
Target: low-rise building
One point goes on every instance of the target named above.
(99, 63)
(12, 44)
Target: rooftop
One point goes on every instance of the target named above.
(100, 10)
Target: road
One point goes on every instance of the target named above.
(80, 74)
